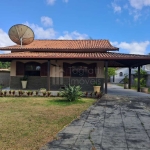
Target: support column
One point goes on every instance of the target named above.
(138, 87)
(106, 76)
(113, 78)
(48, 75)
(129, 77)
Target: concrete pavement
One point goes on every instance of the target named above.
(120, 120)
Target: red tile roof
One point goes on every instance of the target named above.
(63, 55)
(65, 45)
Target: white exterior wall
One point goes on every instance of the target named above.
(125, 71)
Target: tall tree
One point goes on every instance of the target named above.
(111, 72)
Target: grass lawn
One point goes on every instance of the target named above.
(29, 123)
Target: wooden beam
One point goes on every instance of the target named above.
(138, 87)
(129, 77)
(106, 76)
(48, 75)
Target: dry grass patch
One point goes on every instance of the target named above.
(29, 123)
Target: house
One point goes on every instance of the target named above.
(52, 64)
(121, 72)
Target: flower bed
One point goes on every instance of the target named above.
(42, 93)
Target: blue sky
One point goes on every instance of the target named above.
(125, 23)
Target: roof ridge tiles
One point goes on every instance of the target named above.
(71, 40)
(64, 45)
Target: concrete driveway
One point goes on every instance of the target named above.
(120, 120)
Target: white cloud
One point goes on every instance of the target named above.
(116, 7)
(139, 9)
(66, 1)
(135, 13)
(133, 47)
(139, 4)
(5, 41)
(42, 33)
(46, 21)
(73, 35)
(50, 33)
(50, 2)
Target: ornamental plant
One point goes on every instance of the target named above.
(142, 82)
(48, 93)
(24, 78)
(13, 92)
(96, 83)
(44, 93)
(126, 80)
(143, 78)
(36, 93)
(71, 93)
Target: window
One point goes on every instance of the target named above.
(32, 69)
(120, 74)
(79, 69)
(19, 68)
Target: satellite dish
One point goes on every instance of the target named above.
(21, 34)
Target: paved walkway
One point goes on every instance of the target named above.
(119, 121)
(118, 90)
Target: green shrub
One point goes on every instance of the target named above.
(143, 73)
(126, 80)
(24, 78)
(142, 82)
(71, 93)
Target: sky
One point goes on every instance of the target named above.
(125, 23)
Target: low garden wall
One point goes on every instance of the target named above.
(35, 83)
(4, 78)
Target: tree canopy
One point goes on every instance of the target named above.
(4, 65)
(111, 72)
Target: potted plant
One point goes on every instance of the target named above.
(31, 93)
(36, 92)
(126, 81)
(42, 90)
(10, 92)
(96, 87)
(143, 85)
(44, 93)
(1, 93)
(13, 92)
(24, 82)
(143, 79)
(20, 93)
(28, 93)
(48, 93)
(5, 93)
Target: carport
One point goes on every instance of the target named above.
(125, 60)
